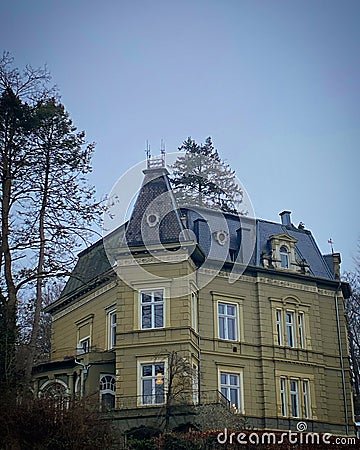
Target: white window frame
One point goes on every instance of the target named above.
(155, 379)
(195, 384)
(152, 305)
(290, 328)
(294, 398)
(228, 387)
(227, 317)
(279, 326)
(301, 328)
(111, 327)
(81, 349)
(194, 311)
(306, 398)
(107, 389)
(283, 396)
(284, 257)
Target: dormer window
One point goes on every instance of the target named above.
(284, 257)
(282, 254)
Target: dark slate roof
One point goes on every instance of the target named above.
(99, 259)
(93, 262)
(155, 198)
(306, 247)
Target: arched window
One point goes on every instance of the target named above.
(107, 391)
(56, 391)
(284, 257)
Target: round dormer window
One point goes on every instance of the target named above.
(152, 219)
(221, 237)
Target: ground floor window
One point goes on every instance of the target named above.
(107, 392)
(230, 388)
(152, 383)
(295, 397)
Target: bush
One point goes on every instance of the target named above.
(49, 424)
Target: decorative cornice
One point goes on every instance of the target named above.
(151, 260)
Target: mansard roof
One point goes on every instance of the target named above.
(93, 266)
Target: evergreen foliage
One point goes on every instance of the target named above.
(201, 178)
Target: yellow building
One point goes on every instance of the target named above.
(252, 306)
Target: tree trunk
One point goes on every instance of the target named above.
(39, 272)
(9, 302)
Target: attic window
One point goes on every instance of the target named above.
(284, 257)
(152, 219)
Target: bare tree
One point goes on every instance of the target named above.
(47, 207)
(352, 305)
(178, 384)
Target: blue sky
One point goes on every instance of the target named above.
(275, 83)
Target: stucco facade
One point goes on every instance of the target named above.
(272, 343)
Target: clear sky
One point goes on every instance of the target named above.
(275, 83)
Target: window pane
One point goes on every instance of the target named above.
(294, 393)
(159, 322)
(146, 316)
(147, 391)
(234, 380)
(159, 368)
(230, 310)
(159, 393)
(147, 370)
(223, 378)
(222, 328)
(158, 296)
(221, 308)
(234, 399)
(145, 297)
(231, 329)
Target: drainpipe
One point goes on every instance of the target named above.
(83, 375)
(341, 358)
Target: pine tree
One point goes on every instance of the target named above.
(201, 178)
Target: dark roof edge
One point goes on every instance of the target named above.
(85, 288)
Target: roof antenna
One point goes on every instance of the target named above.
(148, 154)
(163, 152)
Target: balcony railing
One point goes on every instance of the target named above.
(185, 399)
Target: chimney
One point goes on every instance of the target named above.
(336, 262)
(285, 217)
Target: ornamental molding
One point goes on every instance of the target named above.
(84, 300)
(297, 286)
(151, 260)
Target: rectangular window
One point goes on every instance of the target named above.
(294, 397)
(230, 388)
(83, 346)
(152, 309)
(112, 329)
(152, 384)
(195, 384)
(227, 321)
(306, 394)
(194, 311)
(279, 327)
(283, 396)
(301, 330)
(290, 328)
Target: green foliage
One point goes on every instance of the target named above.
(201, 178)
(47, 207)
